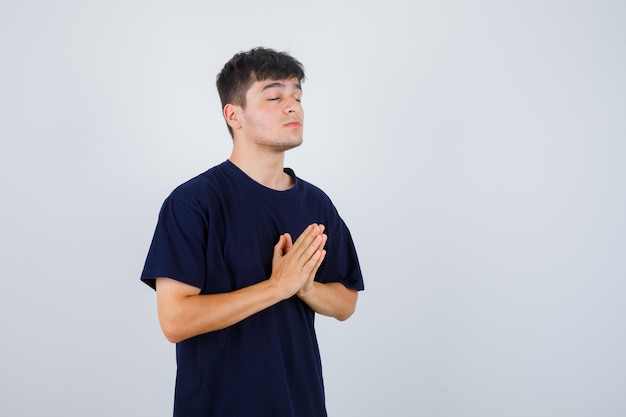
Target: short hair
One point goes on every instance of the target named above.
(257, 64)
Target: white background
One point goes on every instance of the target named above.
(475, 149)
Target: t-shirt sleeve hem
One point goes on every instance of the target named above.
(149, 278)
(353, 286)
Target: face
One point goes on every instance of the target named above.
(273, 117)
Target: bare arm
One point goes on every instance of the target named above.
(332, 299)
(184, 312)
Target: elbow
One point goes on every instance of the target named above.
(345, 315)
(171, 330)
(349, 306)
(171, 309)
(172, 337)
(348, 311)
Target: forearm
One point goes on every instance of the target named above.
(332, 299)
(184, 313)
(188, 315)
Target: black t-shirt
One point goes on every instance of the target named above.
(217, 233)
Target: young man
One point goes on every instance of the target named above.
(235, 292)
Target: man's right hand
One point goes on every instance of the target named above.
(184, 313)
(294, 265)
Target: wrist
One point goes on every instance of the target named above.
(307, 292)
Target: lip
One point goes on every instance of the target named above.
(293, 123)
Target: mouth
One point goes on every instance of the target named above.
(293, 123)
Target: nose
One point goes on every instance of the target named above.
(293, 106)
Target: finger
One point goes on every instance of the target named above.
(304, 241)
(315, 246)
(319, 242)
(279, 247)
(312, 264)
(288, 243)
(316, 267)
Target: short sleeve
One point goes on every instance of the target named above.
(341, 263)
(178, 246)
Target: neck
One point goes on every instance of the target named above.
(263, 167)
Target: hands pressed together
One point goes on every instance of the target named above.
(294, 265)
(184, 313)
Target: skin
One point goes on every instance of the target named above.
(270, 124)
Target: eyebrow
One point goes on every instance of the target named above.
(279, 84)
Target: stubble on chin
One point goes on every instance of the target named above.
(280, 145)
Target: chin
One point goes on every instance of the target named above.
(285, 145)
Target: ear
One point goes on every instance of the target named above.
(231, 115)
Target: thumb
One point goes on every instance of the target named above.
(279, 248)
(288, 243)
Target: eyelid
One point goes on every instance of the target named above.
(272, 98)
